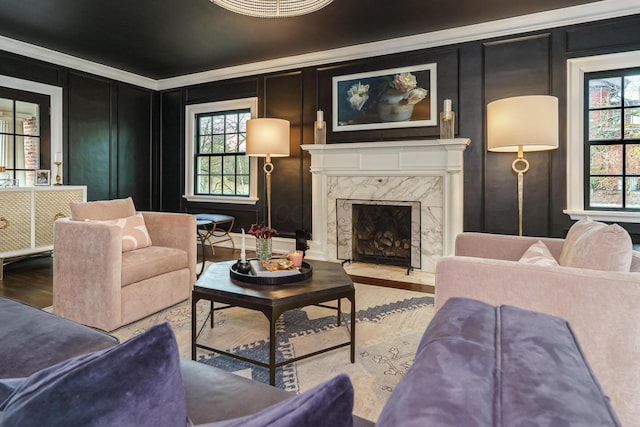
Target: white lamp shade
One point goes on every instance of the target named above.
(267, 137)
(527, 121)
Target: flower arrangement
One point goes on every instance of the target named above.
(403, 88)
(262, 232)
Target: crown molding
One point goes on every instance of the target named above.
(596, 11)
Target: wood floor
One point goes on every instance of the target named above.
(30, 280)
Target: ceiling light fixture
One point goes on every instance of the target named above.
(272, 8)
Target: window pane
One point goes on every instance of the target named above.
(218, 144)
(242, 118)
(243, 165)
(229, 165)
(6, 115)
(606, 192)
(27, 112)
(229, 185)
(202, 184)
(242, 185)
(216, 165)
(6, 150)
(633, 159)
(632, 185)
(205, 145)
(604, 125)
(205, 125)
(31, 153)
(242, 143)
(218, 124)
(232, 123)
(632, 90)
(232, 143)
(203, 165)
(606, 160)
(605, 92)
(632, 123)
(215, 182)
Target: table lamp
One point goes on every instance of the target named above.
(268, 138)
(519, 124)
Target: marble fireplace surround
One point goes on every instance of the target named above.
(426, 171)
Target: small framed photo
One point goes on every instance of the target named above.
(43, 177)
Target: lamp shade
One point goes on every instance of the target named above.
(267, 137)
(527, 121)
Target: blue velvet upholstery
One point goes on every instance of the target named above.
(478, 365)
(137, 383)
(327, 405)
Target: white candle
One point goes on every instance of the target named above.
(320, 117)
(447, 106)
(59, 156)
(243, 255)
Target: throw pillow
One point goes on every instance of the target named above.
(327, 405)
(598, 246)
(134, 232)
(539, 254)
(136, 383)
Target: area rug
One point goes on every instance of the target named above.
(389, 325)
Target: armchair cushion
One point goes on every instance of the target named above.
(539, 254)
(149, 262)
(137, 383)
(598, 246)
(134, 231)
(102, 209)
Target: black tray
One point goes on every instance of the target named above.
(305, 272)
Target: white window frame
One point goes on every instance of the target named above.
(576, 69)
(191, 111)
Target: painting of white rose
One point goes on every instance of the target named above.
(385, 99)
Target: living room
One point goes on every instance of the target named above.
(122, 133)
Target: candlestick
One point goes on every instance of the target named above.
(319, 129)
(243, 254)
(58, 178)
(320, 116)
(59, 156)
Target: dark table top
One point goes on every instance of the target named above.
(327, 281)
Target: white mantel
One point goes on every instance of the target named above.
(428, 171)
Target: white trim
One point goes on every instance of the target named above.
(190, 116)
(576, 69)
(55, 93)
(596, 11)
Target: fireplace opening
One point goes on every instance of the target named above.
(381, 234)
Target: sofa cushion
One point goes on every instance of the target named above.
(134, 231)
(149, 262)
(136, 383)
(539, 254)
(484, 366)
(598, 246)
(329, 404)
(49, 338)
(102, 209)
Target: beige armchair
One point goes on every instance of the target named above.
(97, 284)
(602, 307)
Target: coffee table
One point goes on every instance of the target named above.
(328, 282)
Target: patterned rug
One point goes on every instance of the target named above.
(389, 325)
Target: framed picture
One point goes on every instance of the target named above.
(385, 99)
(43, 177)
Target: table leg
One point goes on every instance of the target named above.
(339, 312)
(194, 320)
(272, 349)
(352, 298)
(211, 311)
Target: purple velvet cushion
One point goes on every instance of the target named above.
(329, 404)
(483, 366)
(137, 383)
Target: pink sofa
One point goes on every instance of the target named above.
(602, 307)
(97, 284)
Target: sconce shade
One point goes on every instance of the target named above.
(527, 121)
(267, 137)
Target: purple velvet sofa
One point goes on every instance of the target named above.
(476, 365)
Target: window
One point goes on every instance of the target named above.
(603, 145)
(24, 134)
(612, 143)
(217, 167)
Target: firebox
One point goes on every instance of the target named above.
(379, 232)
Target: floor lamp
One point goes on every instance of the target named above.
(519, 124)
(268, 138)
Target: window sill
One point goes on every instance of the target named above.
(607, 216)
(222, 199)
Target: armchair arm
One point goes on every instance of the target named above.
(502, 246)
(87, 266)
(174, 230)
(600, 306)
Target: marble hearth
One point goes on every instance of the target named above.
(424, 172)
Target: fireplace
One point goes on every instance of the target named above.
(378, 231)
(423, 174)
